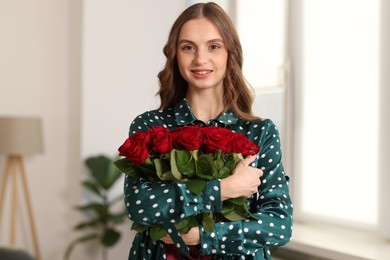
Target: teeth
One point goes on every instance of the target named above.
(201, 72)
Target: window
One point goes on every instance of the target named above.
(264, 47)
(330, 105)
(337, 123)
(262, 29)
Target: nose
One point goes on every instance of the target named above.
(201, 57)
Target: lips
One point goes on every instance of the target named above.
(201, 73)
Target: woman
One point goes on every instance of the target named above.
(202, 84)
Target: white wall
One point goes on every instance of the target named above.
(121, 56)
(34, 81)
(87, 69)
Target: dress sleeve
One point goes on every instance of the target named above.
(273, 208)
(154, 203)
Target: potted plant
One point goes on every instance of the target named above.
(102, 222)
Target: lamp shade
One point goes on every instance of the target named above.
(20, 136)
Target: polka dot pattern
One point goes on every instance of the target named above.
(157, 203)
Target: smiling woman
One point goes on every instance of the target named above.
(202, 85)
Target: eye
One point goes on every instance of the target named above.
(187, 47)
(215, 46)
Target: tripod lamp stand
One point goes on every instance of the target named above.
(18, 137)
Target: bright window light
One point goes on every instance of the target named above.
(261, 25)
(339, 138)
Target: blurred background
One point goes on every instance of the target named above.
(319, 69)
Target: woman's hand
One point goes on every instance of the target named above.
(244, 181)
(191, 238)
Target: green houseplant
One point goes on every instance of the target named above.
(102, 222)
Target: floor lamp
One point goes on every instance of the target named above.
(18, 137)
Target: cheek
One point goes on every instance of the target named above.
(223, 66)
(223, 62)
(182, 70)
(183, 63)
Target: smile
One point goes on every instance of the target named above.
(201, 72)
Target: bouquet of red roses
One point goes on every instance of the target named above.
(191, 155)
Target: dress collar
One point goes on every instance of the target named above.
(184, 116)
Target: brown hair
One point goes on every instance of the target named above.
(173, 87)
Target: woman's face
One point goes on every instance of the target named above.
(201, 55)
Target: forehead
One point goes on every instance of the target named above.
(200, 29)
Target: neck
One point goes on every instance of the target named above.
(205, 107)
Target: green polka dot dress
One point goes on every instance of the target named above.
(159, 203)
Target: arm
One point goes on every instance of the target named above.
(273, 208)
(150, 203)
(243, 183)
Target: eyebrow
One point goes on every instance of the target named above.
(209, 41)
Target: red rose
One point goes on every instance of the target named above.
(241, 144)
(161, 139)
(135, 148)
(217, 138)
(187, 137)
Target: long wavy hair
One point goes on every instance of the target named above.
(173, 88)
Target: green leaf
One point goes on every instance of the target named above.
(159, 167)
(128, 168)
(110, 237)
(232, 211)
(91, 223)
(157, 232)
(117, 218)
(184, 163)
(205, 167)
(99, 209)
(241, 202)
(182, 223)
(219, 159)
(208, 222)
(91, 186)
(149, 172)
(235, 216)
(190, 223)
(196, 185)
(83, 239)
(98, 167)
(168, 176)
(102, 169)
(138, 227)
(175, 171)
(163, 169)
(238, 201)
(113, 174)
(227, 206)
(226, 170)
(194, 155)
(223, 173)
(237, 157)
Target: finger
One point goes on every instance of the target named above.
(250, 194)
(248, 160)
(166, 239)
(241, 163)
